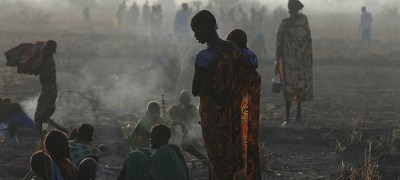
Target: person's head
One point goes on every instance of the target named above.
(87, 169)
(57, 145)
(159, 135)
(85, 133)
(204, 26)
(73, 135)
(185, 98)
(41, 165)
(185, 6)
(14, 108)
(363, 9)
(153, 110)
(294, 6)
(239, 37)
(50, 47)
(6, 102)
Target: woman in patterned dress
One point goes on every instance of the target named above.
(295, 59)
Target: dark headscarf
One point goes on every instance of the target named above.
(294, 6)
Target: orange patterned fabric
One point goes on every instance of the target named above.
(230, 127)
(221, 117)
(250, 113)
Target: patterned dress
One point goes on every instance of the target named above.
(295, 57)
(250, 115)
(222, 112)
(47, 99)
(81, 150)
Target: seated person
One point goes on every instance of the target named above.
(239, 37)
(82, 148)
(140, 137)
(56, 143)
(87, 169)
(41, 165)
(166, 163)
(184, 111)
(185, 118)
(73, 135)
(18, 119)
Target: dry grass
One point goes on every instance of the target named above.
(264, 156)
(387, 145)
(369, 171)
(355, 135)
(338, 148)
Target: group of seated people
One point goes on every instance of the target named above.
(12, 118)
(166, 137)
(165, 163)
(67, 158)
(154, 154)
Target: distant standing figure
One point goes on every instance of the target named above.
(181, 23)
(146, 15)
(133, 16)
(120, 15)
(295, 58)
(365, 25)
(86, 14)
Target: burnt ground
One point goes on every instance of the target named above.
(352, 93)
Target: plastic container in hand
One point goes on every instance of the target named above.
(276, 85)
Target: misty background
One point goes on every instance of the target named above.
(116, 67)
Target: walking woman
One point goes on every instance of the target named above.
(294, 59)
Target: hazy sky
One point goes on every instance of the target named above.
(310, 5)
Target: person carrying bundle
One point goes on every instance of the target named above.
(37, 59)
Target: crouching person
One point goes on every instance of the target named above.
(166, 163)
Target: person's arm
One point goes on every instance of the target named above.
(279, 46)
(200, 75)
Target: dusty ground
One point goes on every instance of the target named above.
(349, 85)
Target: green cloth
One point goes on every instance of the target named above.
(135, 163)
(166, 163)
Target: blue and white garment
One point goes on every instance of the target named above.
(56, 172)
(251, 56)
(205, 58)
